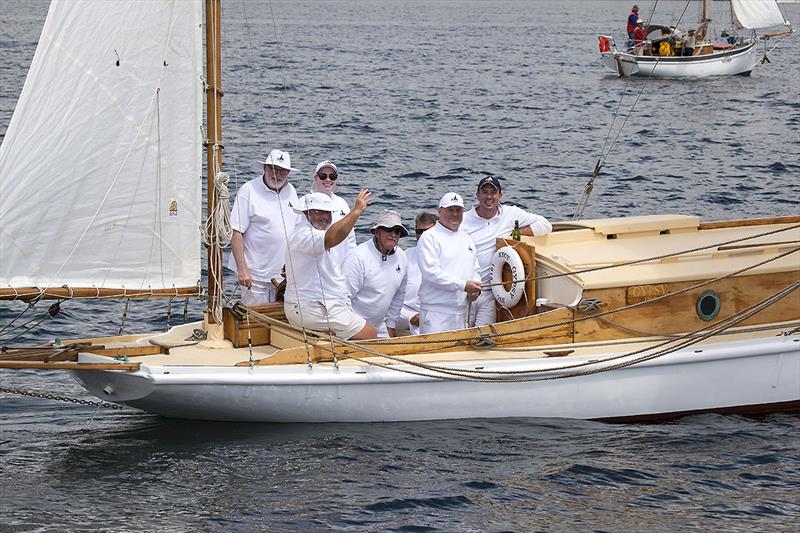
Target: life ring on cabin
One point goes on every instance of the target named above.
(507, 256)
(605, 44)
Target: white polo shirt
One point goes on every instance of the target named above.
(312, 273)
(377, 287)
(447, 260)
(264, 218)
(484, 232)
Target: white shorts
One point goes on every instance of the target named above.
(338, 317)
(433, 321)
(260, 292)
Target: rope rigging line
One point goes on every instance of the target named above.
(685, 341)
(583, 201)
(590, 317)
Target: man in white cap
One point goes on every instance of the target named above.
(316, 292)
(325, 179)
(485, 223)
(262, 220)
(448, 268)
(376, 274)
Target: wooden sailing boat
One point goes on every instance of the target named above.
(621, 319)
(699, 55)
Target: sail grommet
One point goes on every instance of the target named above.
(708, 305)
(507, 256)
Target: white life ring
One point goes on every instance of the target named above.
(507, 256)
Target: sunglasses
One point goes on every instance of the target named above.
(332, 176)
(420, 231)
(395, 229)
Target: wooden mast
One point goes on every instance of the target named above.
(213, 145)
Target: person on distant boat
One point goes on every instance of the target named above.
(485, 223)
(687, 44)
(376, 274)
(665, 44)
(632, 19)
(449, 270)
(639, 33)
(261, 220)
(316, 291)
(409, 314)
(325, 176)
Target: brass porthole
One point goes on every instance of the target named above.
(708, 305)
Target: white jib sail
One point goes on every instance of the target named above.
(754, 14)
(100, 169)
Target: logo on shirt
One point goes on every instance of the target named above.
(173, 208)
(398, 269)
(470, 248)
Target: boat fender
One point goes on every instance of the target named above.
(507, 256)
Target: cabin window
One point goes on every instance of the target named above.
(708, 305)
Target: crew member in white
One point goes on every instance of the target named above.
(486, 222)
(376, 274)
(449, 271)
(316, 291)
(409, 314)
(262, 219)
(325, 179)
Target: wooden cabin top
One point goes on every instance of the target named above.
(583, 244)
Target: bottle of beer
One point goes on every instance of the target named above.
(515, 234)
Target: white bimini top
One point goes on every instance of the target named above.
(376, 284)
(264, 218)
(312, 273)
(484, 232)
(447, 260)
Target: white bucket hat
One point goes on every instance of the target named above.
(389, 219)
(314, 200)
(279, 158)
(450, 199)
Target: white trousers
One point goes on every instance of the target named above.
(483, 310)
(433, 321)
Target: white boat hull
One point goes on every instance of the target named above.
(738, 61)
(741, 376)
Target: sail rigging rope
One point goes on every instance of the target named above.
(457, 340)
(601, 161)
(642, 355)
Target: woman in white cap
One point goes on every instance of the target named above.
(325, 176)
(262, 219)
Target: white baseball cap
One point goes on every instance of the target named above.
(450, 199)
(323, 164)
(314, 200)
(279, 158)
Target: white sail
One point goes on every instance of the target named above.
(755, 14)
(100, 168)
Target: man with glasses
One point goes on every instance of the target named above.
(325, 179)
(316, 291)
(409, 314)
(376, 274)
(485, 223)
(262, 220)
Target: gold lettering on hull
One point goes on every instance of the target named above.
(641, 293)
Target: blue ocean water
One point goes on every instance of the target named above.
(413, 99)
